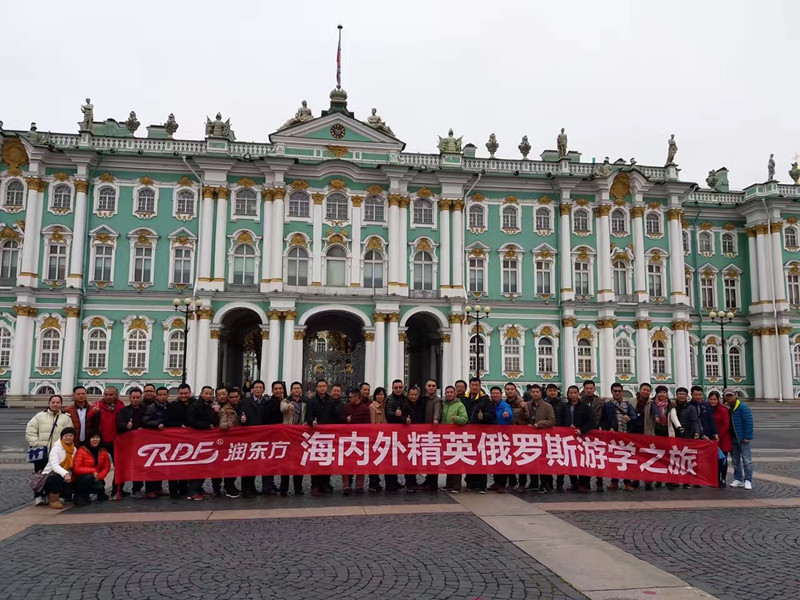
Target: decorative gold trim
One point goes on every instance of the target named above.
(298, 239)
(72, 311)
(337, 184)
(208, 191)
(299, 184)
(318, 198)
(565, 210)
(106, 177)
(298, 335)
(776, 227)
(642, 323)
(246, 182)
(424, 193)
(279, 193)
(337, 152)
(375, 190)
(569, 322)
(138, 323)
(357, 201)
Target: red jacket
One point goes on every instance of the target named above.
(723, 420)
(104, 419)
(84, 463)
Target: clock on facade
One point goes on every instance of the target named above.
(338, 131)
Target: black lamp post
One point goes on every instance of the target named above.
(477, 314)
(720, 317)
(187, 307)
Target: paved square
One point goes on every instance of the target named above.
(15, 493)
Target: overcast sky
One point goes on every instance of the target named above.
(619, 76)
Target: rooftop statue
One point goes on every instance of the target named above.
(672, 150)
(794, 172)
(302, 115)
(771, 168)
(492, 145)
(524, 147)
(88, 115)
(450, 144)
(711, 180)
(132, 123)
(562, 144)
(376, 122)
(219, 128)
(603, 170)
(171, 126)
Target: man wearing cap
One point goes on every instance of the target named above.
(741, 436)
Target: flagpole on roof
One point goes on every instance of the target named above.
(339, 60)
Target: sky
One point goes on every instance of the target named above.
(620, 76)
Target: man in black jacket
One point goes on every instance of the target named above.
(322, 410)
(273, 416)
(414, 413)
(396, 412)
(578, 416)
(480, 412)
(202, 415)
(596, 403)
(156, 416)
(178, 411)
(254, 412)
(130, 419)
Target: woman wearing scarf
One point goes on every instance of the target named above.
(59, 469)
(723, 420)
(91, 469)
(660, 420)
(44, 430)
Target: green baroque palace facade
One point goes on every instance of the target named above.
(328, 251)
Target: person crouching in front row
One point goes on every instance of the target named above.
(90, 470)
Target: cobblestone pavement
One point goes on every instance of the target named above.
(14, 490)
(454, 557)
(735, 554)
(786, 468)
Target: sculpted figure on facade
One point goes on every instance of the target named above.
(450, 144)
(132, 123)
(672, 150)
(524, 147)
(603, 170)
(794, 172)
(492, 145)
(561, 141)
(219, 128)
(771, 168)
(171, 126)
(303, 115)
(376, 122)
(711, 180)
(88, 115)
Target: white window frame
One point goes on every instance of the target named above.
(99, 186)
(659, 357)
(336, 219)
(734, 245)
(235, 216)
(543, 360)
(694, 373)
(59, 235)
(144, 214)
(51, 204)
(414, 222)
(686, 242)
(416, 264)
(626, 276)
(142, 238)
(345, 259)
(174, 247)
(486, 337)
(710, 285)
(383, 263)
(234, 256)
(659, 219)
(510, 252)
(796, 360)
(732, 284)
(625, 222)
(127, 336)
(41, 329)
(621, 360)
(589, 225)
(513, 354)
(173, 326)
(582, 358)
(377, 201)
(792, 277)
(543, 208)
(688, 284)
(94, 243)
(91, 325)
(184, 216)
(13, 208)
(7, 331)
(795, 231)
(307, 204)
(478, 207)
(480, 271)
(540, 267)
(709, 235)
(516, 225)
(286, 260)
(6, 247)
(661, 262)
(718, 362)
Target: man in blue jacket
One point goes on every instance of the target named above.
(741, 436)
(708, 426)
(503, 415)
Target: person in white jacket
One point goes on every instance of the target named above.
(44, 429)
(59, 469)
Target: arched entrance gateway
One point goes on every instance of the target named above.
(333, 349)
(240, 348)
(423, 350)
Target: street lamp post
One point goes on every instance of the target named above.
(477, 313)
(187, 307)
(720, 317)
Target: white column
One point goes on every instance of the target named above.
(401, 353)
(205, 236)
(274, 345)
(456, 347)
(70, 353)
(276, 253)
(220, 241)
(444, 246)
(28, 273)
(392, 348)
(607, 355)
(75, 277)
(758, 373)
(266, 249)
(355, 246)
(762, 250)
(565, 255)
(768, 362)
(288, 345)
(785, 357)
(266, 356)
(680, 349)
(22, 349)
(639, 262)
(297, 353)
(753, 263)
(677, 268)
(191, 354)
(316, 240)
(394, 243)
(605, 291)
(458, 245)
(642, 349)
(404, 244)
(778, 277)
(466, 334)
(202, 342)
(213, 356)
(380, 351)
(568, 351)
(369, 357)
(447, 363)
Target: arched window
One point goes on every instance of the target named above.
(796, 361)
(790, 236)
(56, 261)
(585, 357)
(93, 390)
(580, 220)
(175, 350)
(652, 223)
(299, 205)
(477, 346)
(728, 243)
(336, 207)
(62, 196)
(15, 193)
(244, 265)
(423, 271)
(705, 242)
(685, 240)
(546, 363)
(5, 347)
(623, 353)
(712, 361)
(185, 203)
(423, 212)
(734, 361)
(137, 349)
(245, 204)
(107, 199)
(543, 219)
(297, 266)
(620, 273)
(336, 266)
(511, 355)
(476, 217)
(50, 355)
(45, 390)
(510, 217)
(373, 270)
(658, 353)
(97, 352)
(618, 221)
(374, 210)
(146, 201)
(321, 345)
(103, 261)
(9, 260)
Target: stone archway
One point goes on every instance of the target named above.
(333, 349)
(240, 348)
(423, 350)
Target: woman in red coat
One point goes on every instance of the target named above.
(90, 468)
(723, 420)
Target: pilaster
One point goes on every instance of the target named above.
(316, 239)
(70, 353)
(276, 254)
(355, 245)
(288, 371)
(266, 247)
(444, 246)
(274, 346)
(458, 247)
(22, 349)
(75, 277)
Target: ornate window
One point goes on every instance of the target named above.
(658, 356)
(336, 207)
(623, 351)
(477, 346)
(708, 289)
(546, 358)
(619, 270)
(693, 358)
(544, 220)
(512, 356)
(182, 261)
(689, 286)
(56, 261)
(50, 349)
(619, 222)
(543, 273)
(107, 199)
(184, 203)
(735, 361)
(336, 266)
(297, 266)
(103, 263)
(62, 197)
(580, 221)
(97, 350)
(45, 390)
(423, 212)
(477, 217)
(655, 280)
(244, 265)
(477, 274)
(796, 360)
(652, 224)
(373, 270)
(374, 210)
(136, 349)
(728, 244)
(585, 352)
(15, 193)
(790, 237)
(730, 286)
(245, 203)
(142, 264)
(5, 347)
(705, 243)
(687, 247)
(793, 283)
(299, 205)
(582, 278)
(321, 345)
(175, 344)
(510, 275)
(145, 202)
(9, 260)
(510, 217)
(712, 361)
(423, 270)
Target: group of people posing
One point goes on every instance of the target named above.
(80, 439)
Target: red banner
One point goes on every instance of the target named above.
(149, 455)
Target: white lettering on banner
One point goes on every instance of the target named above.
(258, 451)
(622, 454)
(385, 444)
(318, 448)
(183, 454)
(594, 453)
(528, 447)
(657, 454)
(561, 450)
(278, 450)
(236, 452)
(459, 448)
(682, 461)
(495, 449)
(354, 444)
(425, 446)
